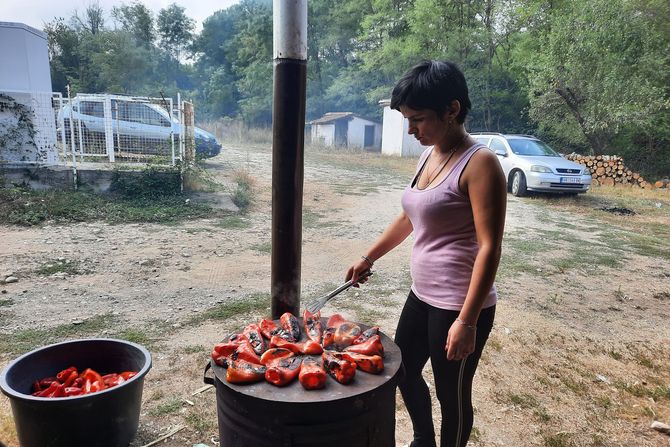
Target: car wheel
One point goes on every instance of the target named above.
(519, 184)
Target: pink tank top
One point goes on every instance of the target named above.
(445, 243)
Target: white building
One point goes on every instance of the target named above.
(395, 139)
(27, 124)
(344, 129)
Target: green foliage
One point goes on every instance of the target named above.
(243, 195)
(149, 183)
(175, 29)
(28, 208)
(597, 69)
(137, 20)
(587, 76)
(54, 266)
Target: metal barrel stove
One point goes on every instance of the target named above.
(360, 414)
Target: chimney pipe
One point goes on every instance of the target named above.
(288, 147)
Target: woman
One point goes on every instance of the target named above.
(455, 205)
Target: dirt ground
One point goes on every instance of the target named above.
(579, 354)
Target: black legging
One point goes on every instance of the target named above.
(422, 334)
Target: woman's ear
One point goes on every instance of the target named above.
(452, 111)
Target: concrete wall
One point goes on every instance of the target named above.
(323, 134)
(25, 79)
(24, 58)
(395, 139)
(17, 145)
(62, 177)
(356, 134)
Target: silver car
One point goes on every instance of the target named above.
(531, 165)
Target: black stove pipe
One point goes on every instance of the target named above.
(288, 147)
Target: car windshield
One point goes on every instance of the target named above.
(525, 146)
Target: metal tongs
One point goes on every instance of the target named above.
(316, 305)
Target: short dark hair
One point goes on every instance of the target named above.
(432, 85)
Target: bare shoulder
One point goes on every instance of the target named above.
(484, 159)
(483, 168)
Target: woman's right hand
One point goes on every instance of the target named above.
(356, 270)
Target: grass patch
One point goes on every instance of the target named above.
(542, 415)
(29, 208)
(67, 266)
(518, 255)
(573, 385)
(494, 344)
(560, 439)
(511, 265)
(638, 390)
(197, 230)
(6, 302)
(313, 219)
(139, 336)
(233, 222)
(236, 308)
(29, 339)
(168, 407)
(650, 246)
(527, 246)
(604, 402)
(263, 247)
(243, 196)
(587, 259)
(202, 423)
(194, 349)
(523, 400)
(26, 340)
(615, 355)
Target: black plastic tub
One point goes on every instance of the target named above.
(107, 418)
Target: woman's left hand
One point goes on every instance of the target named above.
(460, 341)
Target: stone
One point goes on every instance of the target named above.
(660, 427)
(11, 279)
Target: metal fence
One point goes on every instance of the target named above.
(94, 128)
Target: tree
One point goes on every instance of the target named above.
(175, 29)
(138, 21)
(93, 20)
(600, 70)
(63, 45)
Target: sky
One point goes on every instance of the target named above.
(36, 13)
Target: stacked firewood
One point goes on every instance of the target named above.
(609, 170)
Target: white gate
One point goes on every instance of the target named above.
(129, 129)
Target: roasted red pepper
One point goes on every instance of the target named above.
(312, 374)
(372, 346)
(313, 326)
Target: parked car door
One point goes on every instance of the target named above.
(498, 146)
(140, 120)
